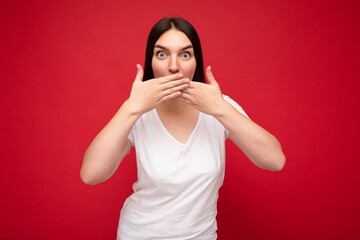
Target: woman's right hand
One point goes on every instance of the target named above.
(146, 95)
(109, 147)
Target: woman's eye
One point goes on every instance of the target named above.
(161, 54)
(185, 55)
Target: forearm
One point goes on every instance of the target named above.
(108, 148)
(261, 147)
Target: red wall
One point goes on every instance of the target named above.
(66, 66)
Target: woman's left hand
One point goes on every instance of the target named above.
(206, 98)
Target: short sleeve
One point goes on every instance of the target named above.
(236, 106)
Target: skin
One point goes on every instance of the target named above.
(178, 102)
(173, 53)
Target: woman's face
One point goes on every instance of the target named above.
(173, 53)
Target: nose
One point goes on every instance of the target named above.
(173, 65)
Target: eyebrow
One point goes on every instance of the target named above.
(164, 48)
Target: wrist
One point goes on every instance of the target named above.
(222, 108)
(130, 109)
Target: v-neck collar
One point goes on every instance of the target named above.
(171, 136)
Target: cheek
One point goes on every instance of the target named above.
(159, 68)
(189, 69)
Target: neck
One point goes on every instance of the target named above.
(174, 105)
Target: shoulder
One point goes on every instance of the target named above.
(147, 124)
(235, 104)
(229, 99)
(146, 119)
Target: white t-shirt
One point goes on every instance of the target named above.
(175, 196)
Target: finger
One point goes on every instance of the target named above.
(210, 76)
(169, 78)
(170, 96)
(183, 99)
(193, 84)
(176, 90)
(140, 73)
(175, 83)
(187, 97)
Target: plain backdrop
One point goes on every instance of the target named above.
(66, 67)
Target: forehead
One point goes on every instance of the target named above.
(173, 39)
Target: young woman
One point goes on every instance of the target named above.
(178, 125)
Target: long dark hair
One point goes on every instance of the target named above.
(184, 26)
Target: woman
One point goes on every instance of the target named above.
(178, 125)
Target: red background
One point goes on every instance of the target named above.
(66, 66)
